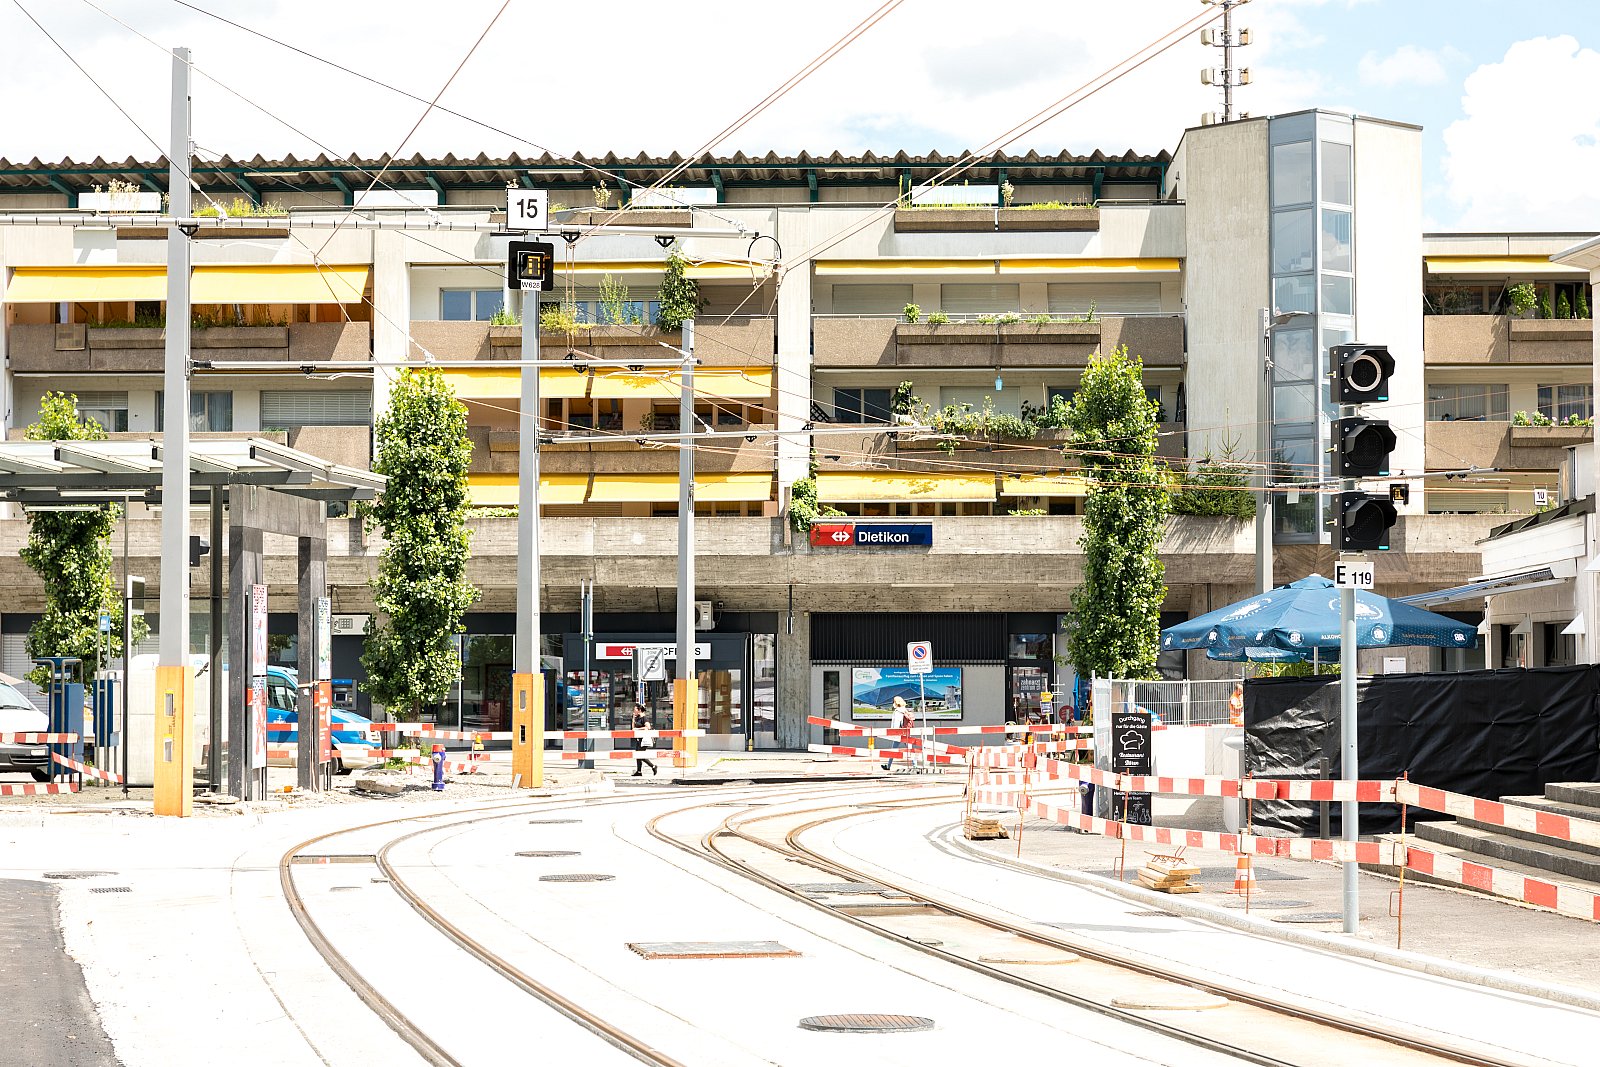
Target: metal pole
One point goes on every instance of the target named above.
(175, 431)
(1349, 812)
(690, 714)
(214, 646)
(586, 625)
(127, 644)
(1227, 62)
(525, 651)
(1264, 457)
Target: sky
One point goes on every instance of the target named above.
(1506, 96)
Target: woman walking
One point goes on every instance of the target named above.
(641, 721)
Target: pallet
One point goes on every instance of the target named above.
(982, 828)
(1168, 874)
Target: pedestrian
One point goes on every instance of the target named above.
(641, 721)
(899, 719)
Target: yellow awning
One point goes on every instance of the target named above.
(733, 488)
(255, 284)
(1498, 265)
(1043, 485)
(1088, 266)
(505, 383)
(599, 268)
(883, 488)
(716, 383)
(881, 267)
(500, 490)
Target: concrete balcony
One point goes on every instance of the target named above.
(736, 343)
(989, 219)
(1452, 445)
(77, 348)
(884, 342)
(495, 452)
(1486, 339)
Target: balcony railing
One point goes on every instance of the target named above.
(736, 342)
(78, 348)
(1475, 339)
(1500, 445)
(847, 341)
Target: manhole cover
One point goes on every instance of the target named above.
(354, 858)
(711, 950)
(1271, 905)
(548, 853)
(552, 822)
(866, 1024)
(1309, 917)
(65, 876)
(576, 877)
(109, 889)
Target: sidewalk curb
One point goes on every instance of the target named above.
(1412, 961)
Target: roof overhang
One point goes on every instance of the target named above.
(1585, 255)
(1535, 578)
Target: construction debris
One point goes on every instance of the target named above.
(980, 827)
(1168, 874)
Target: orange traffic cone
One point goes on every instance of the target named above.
(1244, 875)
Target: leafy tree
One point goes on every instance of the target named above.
(1215, 487)
(421, 589)
(679, 294)
(1115, 628)
(71, 553)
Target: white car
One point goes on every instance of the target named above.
(17, 716)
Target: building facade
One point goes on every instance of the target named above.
(848, 291)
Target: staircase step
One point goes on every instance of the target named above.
(1583, 794)
(1470, 856)
(1499, 849)
(1575, 812)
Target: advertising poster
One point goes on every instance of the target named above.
(257, 693)
(873, 689)
(322, 706)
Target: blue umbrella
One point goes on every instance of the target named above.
(1304, 615)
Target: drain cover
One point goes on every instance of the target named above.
(866, 1024)
(1310, 917)
(552, 822)
(576, 877)
(711, 950)
(547, 853)
(109, 889)
(65, 876)
(1267, 904)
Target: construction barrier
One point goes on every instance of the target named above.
(622, 753)
(37, 739)
(1494, 813)
(1563, 899)
(86, 770)
(34, 790)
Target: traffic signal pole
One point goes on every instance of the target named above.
(1350, 812)
(685, 688)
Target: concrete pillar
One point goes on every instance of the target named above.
(245, 568)
(794, 366)
(794, 679)
(391, 321)
(313, 572)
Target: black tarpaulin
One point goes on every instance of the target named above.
(1487, 734)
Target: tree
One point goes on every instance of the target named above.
(421, 590)
(71, 553)
(1215, 487)
(679, 294)
(1115, 626)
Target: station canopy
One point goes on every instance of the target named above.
(57, 474)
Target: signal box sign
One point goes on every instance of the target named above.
(871, 534)
(531, 266)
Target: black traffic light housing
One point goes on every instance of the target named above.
(1361, 373)
(1361, 447)
(198, 548)
(1362, 521)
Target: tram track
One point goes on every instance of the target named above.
(1359, 1040)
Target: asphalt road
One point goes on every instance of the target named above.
(50, 1021)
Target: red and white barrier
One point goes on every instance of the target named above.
(86, 770)
(34, 790)
(1545, 823)
(864, 753)
(1563, 899)
(37, 739)
(643, 753)
(621, 735)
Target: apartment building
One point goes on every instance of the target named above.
(846, 281)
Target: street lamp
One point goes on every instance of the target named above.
(1270, 321)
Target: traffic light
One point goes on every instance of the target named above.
(198, 547)
(1361, 447)
(1362, 522)
(1361, 373)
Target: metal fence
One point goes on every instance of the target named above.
(1177, 703)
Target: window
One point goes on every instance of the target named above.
(467, 305)
(1563, 402)
(1338, 297)
(1292, 294)
(1291, 174)
(1336, 173)
(1294, 357)
(1336, 236)
(1031, 646)
(979, 298)
(315, 407)
(861, 405)
(1291, 242)
(870, 299)
(1469, 401)
(208, 412)
(1153, 394)
(1065, 392)
(110, 410)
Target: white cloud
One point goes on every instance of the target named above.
(1526, 154)
(1406, 65)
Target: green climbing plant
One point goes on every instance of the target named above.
(1114, 628)
(679, 294)
(421, 589)
(70, 551)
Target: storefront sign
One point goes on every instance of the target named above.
(873, 689)
(871, 534)
(602, 650)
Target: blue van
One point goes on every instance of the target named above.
(353, 736)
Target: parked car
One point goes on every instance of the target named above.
(354, 739)
(20, 717)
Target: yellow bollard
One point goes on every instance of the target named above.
(527, 730)
(686, 716)
(174, 794)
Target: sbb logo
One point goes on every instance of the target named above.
(835, 534)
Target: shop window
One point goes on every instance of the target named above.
(1031, 646)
